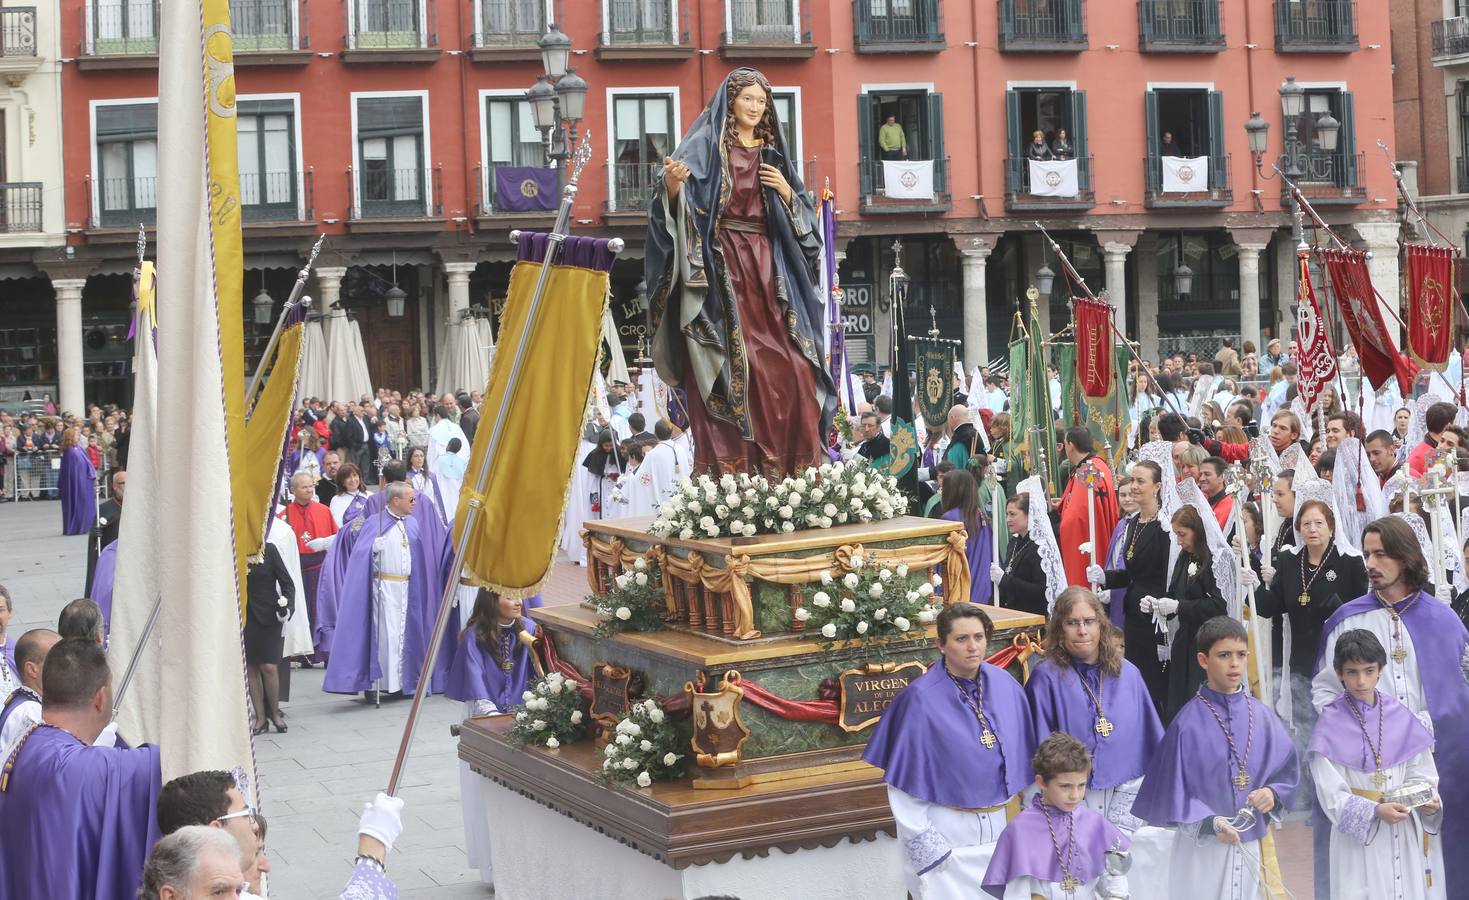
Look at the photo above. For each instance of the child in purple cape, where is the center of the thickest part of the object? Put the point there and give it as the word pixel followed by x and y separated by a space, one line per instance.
pixel 1058 847
pixel 1225 765
pixel 1366 745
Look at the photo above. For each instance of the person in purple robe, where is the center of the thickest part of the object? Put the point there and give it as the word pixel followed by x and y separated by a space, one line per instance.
pixel 388 603
pixel 1116 558
pixel 79 819
pixel 431 529
pixel 77 485
pixel 9 673
pixel 955 748
pixel 491 662
pixel 1365 746
pixel 1225 767
pixel 1085 688
pixel 102 581
pixel 959 498
pixel 1058 846
pixel 1427 647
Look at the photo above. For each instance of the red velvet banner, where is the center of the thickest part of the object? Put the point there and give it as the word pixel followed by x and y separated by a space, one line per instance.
pixel 1357 300
pixel 1430 305
pixel 1317 364
pixel 1093 346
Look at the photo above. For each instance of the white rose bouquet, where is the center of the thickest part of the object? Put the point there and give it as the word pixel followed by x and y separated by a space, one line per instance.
pixel 552 712
pixel 873 602
pixel 635 603
pixel 642 748
pixel 746 505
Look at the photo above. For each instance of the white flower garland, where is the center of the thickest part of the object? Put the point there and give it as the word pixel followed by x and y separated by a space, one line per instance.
pixel 746 505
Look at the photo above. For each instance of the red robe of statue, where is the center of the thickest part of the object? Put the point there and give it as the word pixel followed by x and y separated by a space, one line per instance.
pixel 1075 528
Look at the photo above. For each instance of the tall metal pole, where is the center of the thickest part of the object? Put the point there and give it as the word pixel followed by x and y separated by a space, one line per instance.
pixel 555 240
pixel 296 290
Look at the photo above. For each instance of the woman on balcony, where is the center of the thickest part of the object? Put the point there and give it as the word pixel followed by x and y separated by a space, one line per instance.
pixel 1039 150
pixel 734 307
pixel 1061 147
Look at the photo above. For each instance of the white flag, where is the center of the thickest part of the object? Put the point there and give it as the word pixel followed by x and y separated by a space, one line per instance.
pixel 1053 178
pixel 1185 175
pixel 908 180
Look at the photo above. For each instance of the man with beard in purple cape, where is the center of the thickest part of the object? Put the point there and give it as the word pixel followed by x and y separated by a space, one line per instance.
pixel 388 603
pixel 78 819
pixel 1058 846
pixel 1427 648
pixel 431 530
pixel 955 748
pixel 1224 753
pixel 1083 687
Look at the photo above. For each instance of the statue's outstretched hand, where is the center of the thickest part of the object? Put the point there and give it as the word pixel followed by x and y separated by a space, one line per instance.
pixel 675 173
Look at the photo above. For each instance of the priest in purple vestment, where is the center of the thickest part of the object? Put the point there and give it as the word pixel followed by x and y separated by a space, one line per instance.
pixel 388 602
pixel 76 485
pixel 1427 651
pixel 955 748
pixel 1085 688
pixel 1057 841
pixel 78 819
pixel 1224 771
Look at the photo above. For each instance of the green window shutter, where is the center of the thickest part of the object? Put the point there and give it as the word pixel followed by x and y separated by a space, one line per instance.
pixel 1155 128
pixel 867 140
pixel 1346 142
pixel 1015 165
pixel 934 140
pixel 1216 140
pixel 1078 126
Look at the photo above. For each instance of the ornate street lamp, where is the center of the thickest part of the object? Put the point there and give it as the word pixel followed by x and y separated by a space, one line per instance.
pixel 1045 279
pixel 558 98
pixel 263 307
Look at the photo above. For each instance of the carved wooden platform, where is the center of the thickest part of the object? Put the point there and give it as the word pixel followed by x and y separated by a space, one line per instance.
pixel 674 823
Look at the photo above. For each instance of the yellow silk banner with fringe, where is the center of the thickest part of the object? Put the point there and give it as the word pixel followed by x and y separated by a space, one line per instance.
pixel 515 536
pixel 265 440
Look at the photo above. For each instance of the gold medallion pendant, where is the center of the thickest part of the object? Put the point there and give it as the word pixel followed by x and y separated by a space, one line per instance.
pixel 1104 726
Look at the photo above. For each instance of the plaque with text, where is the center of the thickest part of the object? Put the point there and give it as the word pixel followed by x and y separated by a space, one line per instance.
pixel 609 693
pixel 866 692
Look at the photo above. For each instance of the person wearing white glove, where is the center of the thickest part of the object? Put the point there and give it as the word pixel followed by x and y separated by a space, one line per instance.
pixel 377 831
pixel 997 573
pixel 1267 575
pixel 1250 579
pixel 1023 585
pixel 1193 598
pixel 1096 574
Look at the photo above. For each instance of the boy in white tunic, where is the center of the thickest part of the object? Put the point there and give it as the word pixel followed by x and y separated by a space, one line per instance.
pixel 1367 745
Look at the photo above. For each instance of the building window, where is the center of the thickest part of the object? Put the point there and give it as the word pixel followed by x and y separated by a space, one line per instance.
pixel 914 123
pixel 1172 25
pixel 760 21
pixel 790 129
pixel 642 135
pixel 639 21
pixel 386 24
pixel 127 160
pixel 1189 124
pixel 881 22
pixel 390 147
pixel 1319 24
pixel 507 23
pixel 267 142
pixel 511 139
pixel 1461 165
pixel 1058 116
pixel 262 25
pixel 124 26
pixel 1321 167
pixel 1032 25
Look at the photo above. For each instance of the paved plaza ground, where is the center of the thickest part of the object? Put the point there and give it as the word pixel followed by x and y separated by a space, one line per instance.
pixel 339 751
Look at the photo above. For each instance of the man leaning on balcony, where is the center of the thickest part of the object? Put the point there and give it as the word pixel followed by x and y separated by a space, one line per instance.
pixel 891 140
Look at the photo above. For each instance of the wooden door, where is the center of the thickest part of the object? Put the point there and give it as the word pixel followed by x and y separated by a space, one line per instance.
pixel 391 344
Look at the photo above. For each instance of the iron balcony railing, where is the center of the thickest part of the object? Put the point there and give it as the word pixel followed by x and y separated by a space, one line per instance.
pixel 125 201
pixel 390 25
pixel 271 197
pixel 1211 186
pixel 122 27
pixel 1165 24
pixel 394 193
pixel 20 206
pixel 484 179
pixel 1017 181
pixel 897 22
pixel 18 31
pixel 262 25
pixel 1450 36
pixel 1043 25
pixel 510 23
pixel 765 23
pixel 631 185
pixel 1315 24
pixel 872 176
pixel 1331 176
pixel 642 23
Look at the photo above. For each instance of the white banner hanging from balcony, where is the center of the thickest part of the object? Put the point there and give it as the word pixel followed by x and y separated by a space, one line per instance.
pixel 1185 175
pixel 908 180
pixel 1054 178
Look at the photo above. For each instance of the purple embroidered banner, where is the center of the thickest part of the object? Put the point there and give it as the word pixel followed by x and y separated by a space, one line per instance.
pixel 526 189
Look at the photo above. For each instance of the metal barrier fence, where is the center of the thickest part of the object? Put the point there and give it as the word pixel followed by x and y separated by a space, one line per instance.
pixel 37 476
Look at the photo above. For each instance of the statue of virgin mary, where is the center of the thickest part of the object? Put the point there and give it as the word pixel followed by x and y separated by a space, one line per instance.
pixel 733 303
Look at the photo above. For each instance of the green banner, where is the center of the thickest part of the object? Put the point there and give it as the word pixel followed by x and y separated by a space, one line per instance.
pixel 904 450
pixel 1110 417
pixel 935 394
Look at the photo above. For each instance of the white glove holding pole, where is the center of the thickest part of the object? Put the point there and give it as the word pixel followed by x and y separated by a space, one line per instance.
pixel 1165 606
pixel 1250 579
pixel 999 467
pixel 382 819
pixel 1145 605
pixel 1096 575
pixel 1267 574
pixel 996 573
pixel 316 545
